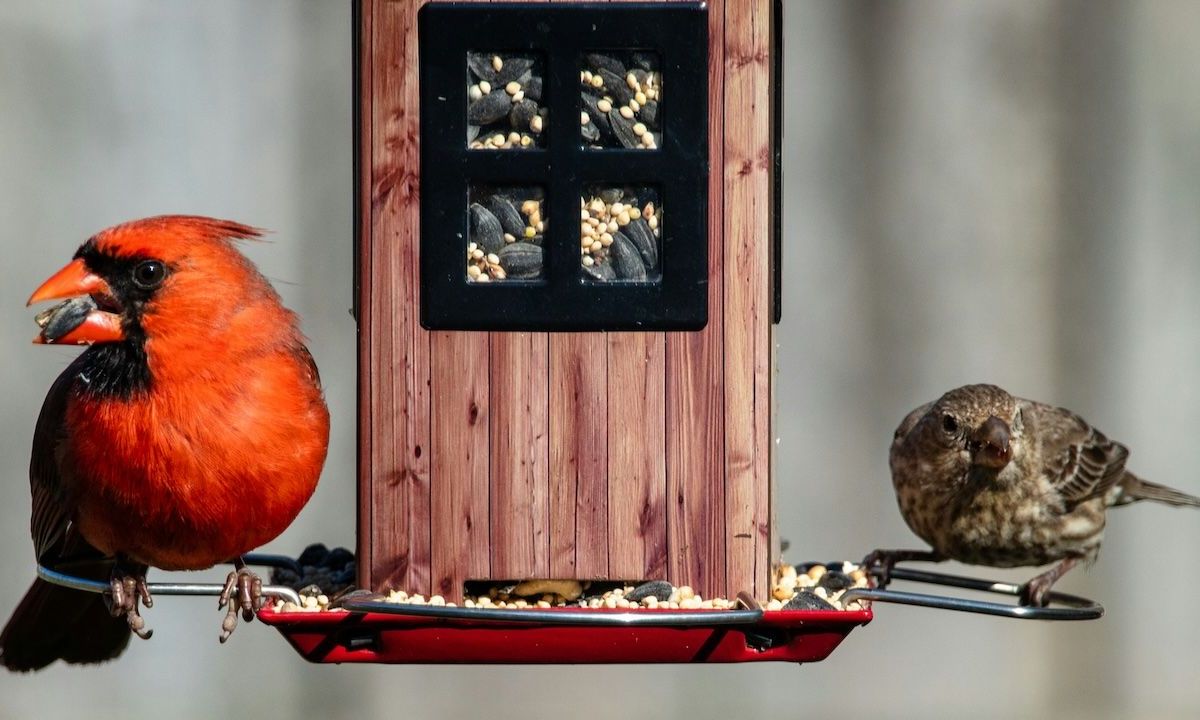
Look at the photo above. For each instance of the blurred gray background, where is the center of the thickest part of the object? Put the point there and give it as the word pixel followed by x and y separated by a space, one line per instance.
pixel 982 191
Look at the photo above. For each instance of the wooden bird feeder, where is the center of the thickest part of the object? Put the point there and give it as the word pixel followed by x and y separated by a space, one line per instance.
pixel 541 398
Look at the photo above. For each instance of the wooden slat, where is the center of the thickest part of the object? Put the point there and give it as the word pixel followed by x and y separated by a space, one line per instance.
pixel 747 169
pixel 459 486
pixel 578 455
pixel 363 224
pixel 519 455
pixel 695 402
pixel 399 393
pixel 637 519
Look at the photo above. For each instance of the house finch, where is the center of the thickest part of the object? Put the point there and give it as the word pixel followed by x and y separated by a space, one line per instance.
pixel 991 479
pixel 192 430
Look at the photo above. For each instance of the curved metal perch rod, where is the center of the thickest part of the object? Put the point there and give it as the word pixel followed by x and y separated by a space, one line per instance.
pixel 193 589
pixel 1077 608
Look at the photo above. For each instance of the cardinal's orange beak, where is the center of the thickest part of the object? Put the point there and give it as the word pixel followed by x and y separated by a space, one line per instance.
pixel 96 326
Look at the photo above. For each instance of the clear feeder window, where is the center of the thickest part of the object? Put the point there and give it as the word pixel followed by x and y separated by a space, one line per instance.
pixel 620 234
pixel 506 241
pixel 621 93
pixel 505 108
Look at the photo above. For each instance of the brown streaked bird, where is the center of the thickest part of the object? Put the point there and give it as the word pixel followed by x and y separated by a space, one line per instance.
pixel 190 431
pixel 987 478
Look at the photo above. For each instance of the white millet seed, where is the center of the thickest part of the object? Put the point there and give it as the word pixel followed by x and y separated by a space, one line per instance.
pixel 626 112
pixel 604 105
pixel 518 96
pixel 485 87
pixel 474 93
pixel 584 118
pixel 497 63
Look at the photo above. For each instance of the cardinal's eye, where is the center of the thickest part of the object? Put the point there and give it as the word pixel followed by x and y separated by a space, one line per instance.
pixel 949 424
pixel 149 274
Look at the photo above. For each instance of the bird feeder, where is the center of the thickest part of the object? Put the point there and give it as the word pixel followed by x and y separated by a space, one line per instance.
pixel 567 282
pixel 567 251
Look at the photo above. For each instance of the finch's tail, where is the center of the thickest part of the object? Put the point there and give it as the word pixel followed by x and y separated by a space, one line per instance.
pixel 1133 488
pixel 55 623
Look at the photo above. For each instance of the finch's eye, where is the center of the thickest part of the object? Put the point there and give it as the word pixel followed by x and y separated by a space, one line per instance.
pixel 149 274
pixel 949 424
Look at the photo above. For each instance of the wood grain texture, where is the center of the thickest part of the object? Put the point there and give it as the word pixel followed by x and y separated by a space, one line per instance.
pixel 460 483
pixel 747 175
pixel 579 431
pixel 637 520
pixel 399 353
pixel 695 400
pixel 520 486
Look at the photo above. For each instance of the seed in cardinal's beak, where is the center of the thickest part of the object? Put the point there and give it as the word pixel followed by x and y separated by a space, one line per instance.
pixel 64 317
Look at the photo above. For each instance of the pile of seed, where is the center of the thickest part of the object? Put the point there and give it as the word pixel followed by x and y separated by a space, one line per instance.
pixel 506 235
pixel 619 236
pixel 807 587
pixel 503 92
pixel 330 571
pixel 620 101
pixel 815 587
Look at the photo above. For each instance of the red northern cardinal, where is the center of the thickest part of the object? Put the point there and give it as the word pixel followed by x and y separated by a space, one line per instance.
pixel 191 430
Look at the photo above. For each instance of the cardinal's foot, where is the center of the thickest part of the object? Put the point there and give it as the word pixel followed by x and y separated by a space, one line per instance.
pixel 249 599
pixel 126 590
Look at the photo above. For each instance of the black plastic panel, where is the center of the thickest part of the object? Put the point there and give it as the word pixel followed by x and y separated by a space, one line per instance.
pixel 677 33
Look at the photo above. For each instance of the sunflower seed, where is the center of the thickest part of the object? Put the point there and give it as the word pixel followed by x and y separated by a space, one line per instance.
pixel 485 229
pixel 615 86
pixel 489 108
pixel 643 239
pixel 599 61
pixel 626 260
pixel 506 213
pixel 600 272
pixel 522 113
pixel 521 260
pixel 64 317
pixel 623 130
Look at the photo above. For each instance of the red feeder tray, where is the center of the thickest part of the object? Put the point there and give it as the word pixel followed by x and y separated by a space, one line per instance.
pixel 434 635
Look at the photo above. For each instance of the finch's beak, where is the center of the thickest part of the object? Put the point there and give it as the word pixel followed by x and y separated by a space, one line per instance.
pixel 990 444
pixel 70 326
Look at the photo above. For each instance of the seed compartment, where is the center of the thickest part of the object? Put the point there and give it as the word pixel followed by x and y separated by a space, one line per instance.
pixel 506 108
pixel 620 231
pixel 506 236
pixel 621 93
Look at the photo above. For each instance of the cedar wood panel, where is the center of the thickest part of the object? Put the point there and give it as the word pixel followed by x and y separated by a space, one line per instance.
pixel 590 455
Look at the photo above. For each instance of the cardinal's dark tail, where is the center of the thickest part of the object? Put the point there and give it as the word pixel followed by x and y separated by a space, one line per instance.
pixel 55 623
pixel 1133 488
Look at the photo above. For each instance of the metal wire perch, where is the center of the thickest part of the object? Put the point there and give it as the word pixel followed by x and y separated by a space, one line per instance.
pixel 172 588
pixel 1076 608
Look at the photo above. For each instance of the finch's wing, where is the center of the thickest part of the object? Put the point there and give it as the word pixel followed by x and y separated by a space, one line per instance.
pixel 1079 461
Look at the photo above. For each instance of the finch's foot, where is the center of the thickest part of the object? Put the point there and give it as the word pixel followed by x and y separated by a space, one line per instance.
pixel 248 588
pixel 1036 592
pixel 126 589
pixel 880 563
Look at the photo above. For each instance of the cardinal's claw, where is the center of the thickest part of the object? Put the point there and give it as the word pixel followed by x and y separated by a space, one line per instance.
pixel 248 588
pixel 125 592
